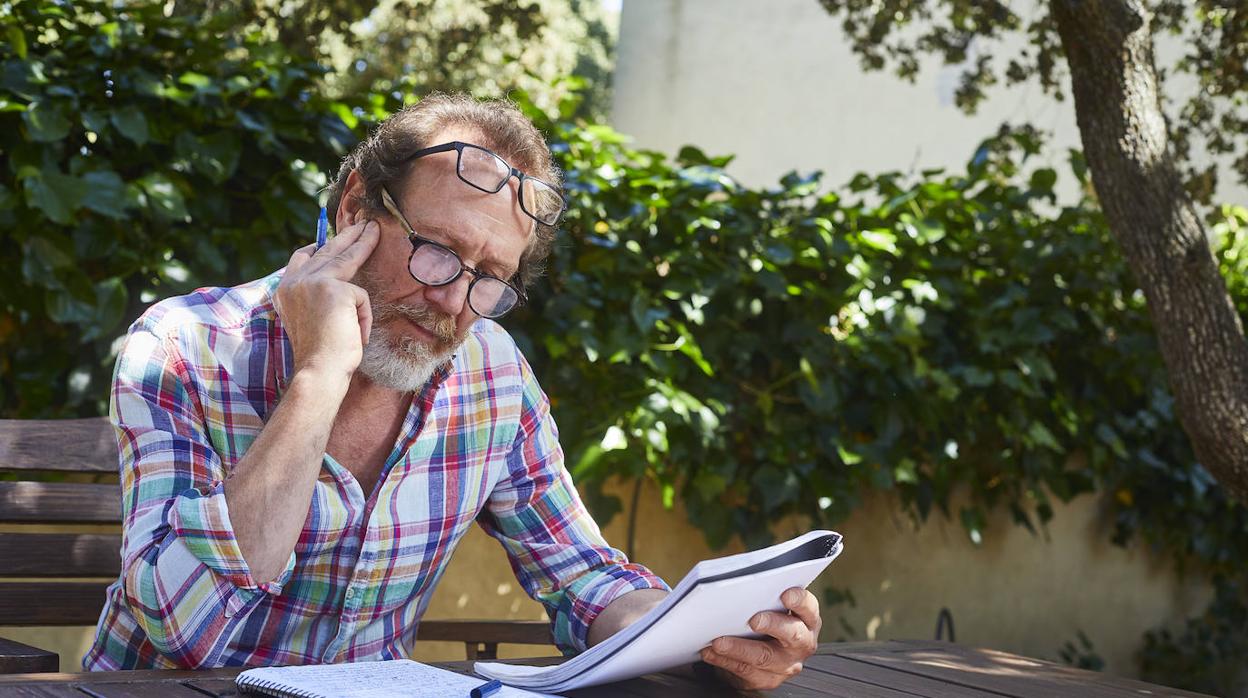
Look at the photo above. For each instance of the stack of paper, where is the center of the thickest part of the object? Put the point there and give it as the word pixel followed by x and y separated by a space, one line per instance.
pixel 718 597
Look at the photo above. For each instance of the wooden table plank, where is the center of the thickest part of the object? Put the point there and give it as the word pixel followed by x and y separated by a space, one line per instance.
pixel 859 670
pixel 861 679
pixel 38 690
pixel 139 689
pixel 1006 674
pixel 134 676
pixel 651 686
pixel 220 688
pixel 636 688
pixel 811 681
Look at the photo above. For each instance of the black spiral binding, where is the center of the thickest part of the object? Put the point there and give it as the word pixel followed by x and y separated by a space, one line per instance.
pixel 274 688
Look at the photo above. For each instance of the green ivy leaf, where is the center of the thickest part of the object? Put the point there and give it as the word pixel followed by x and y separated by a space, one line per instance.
pixel 163 197
pixel 110 307
pixel 45 258
pixel 105 193
pixel 17 39
pixel 1040 435
pixel 131 123
pixel 906 471
pixel 1042 180
pixel 215 156
pixel 46 121
pixel 57 195
pixel 881 239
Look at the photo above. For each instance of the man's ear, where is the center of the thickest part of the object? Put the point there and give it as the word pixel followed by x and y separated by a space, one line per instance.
pixel 349 204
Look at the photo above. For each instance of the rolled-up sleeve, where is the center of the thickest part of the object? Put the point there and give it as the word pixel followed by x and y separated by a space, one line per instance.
pixel 185 580
pixel 556 549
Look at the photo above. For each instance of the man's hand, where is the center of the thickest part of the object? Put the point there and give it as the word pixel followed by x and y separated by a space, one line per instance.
pixel 328 318
pixel 765 664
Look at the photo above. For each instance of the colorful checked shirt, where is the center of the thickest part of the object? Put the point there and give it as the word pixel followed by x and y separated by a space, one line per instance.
pixel 196 379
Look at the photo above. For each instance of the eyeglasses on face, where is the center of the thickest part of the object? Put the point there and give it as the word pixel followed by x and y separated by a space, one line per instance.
pixel 434 264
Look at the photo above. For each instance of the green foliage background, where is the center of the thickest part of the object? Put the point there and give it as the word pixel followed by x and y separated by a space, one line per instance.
pixel 759 353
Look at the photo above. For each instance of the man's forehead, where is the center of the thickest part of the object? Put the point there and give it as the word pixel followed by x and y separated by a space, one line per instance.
pixel 436 200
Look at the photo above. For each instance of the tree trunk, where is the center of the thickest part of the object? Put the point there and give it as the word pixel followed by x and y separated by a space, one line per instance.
pixel 1109 50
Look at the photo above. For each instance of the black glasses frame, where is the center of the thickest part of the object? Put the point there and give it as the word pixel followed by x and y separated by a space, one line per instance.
pixel 419 241
pixel 458 147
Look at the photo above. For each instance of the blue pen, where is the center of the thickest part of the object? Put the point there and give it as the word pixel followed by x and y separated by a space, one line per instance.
pixel 322 228
pixel 488 688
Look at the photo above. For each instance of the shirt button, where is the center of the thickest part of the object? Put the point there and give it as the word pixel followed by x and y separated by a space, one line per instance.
pixel 350 592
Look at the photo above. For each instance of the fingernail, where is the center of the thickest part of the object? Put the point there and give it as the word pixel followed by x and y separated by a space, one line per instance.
pixel 756 622
pixel 371 226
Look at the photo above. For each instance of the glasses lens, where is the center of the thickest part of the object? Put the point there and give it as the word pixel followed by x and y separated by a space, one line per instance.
pixel 491 297
pixel 434 264
pixel 483 169
pixel 540 200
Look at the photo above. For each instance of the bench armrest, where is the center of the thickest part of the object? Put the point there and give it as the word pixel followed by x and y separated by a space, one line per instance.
pixel 17 658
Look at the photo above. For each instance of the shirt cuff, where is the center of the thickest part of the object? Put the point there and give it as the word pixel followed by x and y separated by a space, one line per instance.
pixel 200 519
pixel 589 594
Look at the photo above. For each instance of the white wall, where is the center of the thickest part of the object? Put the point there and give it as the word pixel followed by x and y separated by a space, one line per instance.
pixel 775 82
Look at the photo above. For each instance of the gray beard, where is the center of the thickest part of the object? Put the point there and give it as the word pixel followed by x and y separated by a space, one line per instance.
pixel 404 363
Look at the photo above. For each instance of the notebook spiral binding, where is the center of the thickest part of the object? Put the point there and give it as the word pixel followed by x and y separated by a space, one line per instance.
pixel 275 688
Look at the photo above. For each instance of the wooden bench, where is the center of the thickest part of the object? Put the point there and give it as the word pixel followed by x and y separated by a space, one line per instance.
pixel 64 472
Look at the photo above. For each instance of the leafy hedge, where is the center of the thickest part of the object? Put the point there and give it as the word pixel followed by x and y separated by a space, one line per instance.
pixel 758 352
pixel 142 156
pixel 770 352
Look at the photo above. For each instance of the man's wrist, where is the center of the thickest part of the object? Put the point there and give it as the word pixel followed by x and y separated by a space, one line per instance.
pixel 320 384
pixel 622 612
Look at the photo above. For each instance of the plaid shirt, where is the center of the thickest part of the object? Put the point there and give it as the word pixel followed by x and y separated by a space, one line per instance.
pixel 196 379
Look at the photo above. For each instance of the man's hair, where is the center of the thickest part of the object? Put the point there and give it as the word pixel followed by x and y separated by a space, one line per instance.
pixel 382 159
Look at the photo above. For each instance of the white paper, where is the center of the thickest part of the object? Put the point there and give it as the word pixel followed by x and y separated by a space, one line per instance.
pixel 395 677
pixel 672 633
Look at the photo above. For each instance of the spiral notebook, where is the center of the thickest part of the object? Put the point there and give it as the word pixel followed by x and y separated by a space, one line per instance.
pixel 394 677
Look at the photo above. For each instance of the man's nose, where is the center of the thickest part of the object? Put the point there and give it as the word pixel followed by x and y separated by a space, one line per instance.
pixel 451 299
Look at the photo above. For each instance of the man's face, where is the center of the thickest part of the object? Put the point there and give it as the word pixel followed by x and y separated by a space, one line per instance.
pixel 416 327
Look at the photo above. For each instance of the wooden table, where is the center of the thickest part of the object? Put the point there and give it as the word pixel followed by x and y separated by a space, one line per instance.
pixel 859 670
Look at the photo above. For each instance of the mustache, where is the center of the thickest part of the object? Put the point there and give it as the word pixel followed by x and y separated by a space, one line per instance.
pixel 440 325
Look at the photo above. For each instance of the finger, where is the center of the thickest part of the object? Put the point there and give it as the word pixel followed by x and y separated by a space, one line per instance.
pixel 789 630
pixel 300 257
pixel 741 674
pixel 364 312
pixel 335 246
pixel 346 262
pixel 804 605
pixel 757 653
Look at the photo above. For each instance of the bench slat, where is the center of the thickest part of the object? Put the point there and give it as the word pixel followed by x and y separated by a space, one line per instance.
pixel 520 632
pixel 59 555
pixel 73 445
pixel 58 502
pixel 51 603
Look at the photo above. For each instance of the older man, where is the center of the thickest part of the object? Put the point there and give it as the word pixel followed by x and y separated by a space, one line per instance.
pixel 301 454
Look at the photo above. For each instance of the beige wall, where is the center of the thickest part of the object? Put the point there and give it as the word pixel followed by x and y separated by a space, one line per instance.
pixel 1017 592
pixel 775 83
